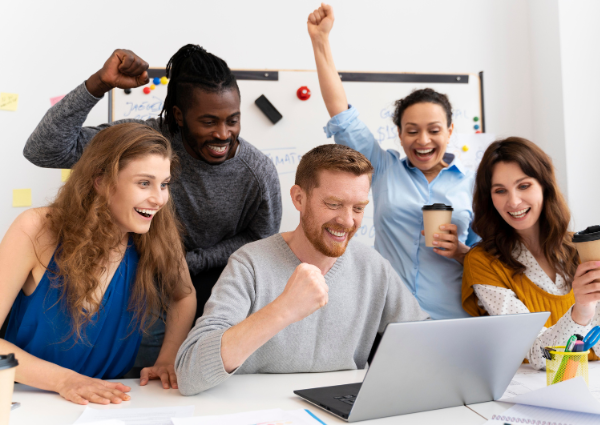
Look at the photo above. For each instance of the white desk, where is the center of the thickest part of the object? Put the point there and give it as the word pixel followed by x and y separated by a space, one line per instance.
pixel 238 394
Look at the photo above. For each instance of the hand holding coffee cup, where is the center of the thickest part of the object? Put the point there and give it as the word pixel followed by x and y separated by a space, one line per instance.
pixel 586 282
pixel 440 234
pixel 435 216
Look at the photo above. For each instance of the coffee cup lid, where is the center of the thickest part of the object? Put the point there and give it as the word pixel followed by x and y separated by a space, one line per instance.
pixel 437 207
pixel 8 361
pixel 590 234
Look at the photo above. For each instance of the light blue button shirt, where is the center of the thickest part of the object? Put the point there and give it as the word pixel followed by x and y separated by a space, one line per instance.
pixel 399 192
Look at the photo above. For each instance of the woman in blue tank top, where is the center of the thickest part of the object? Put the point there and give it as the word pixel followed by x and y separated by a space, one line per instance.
pixel 87 274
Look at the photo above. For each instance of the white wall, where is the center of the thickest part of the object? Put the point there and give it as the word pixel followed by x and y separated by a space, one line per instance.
pixel 50 47
pixel 580 57
pixel 547 85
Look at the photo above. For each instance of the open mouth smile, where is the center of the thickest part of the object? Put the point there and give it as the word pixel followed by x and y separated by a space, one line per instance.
pixel 519 215
pixel 424 154
pixel 148 214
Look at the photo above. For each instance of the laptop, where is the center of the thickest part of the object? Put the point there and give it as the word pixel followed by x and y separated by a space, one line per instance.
pixel 434 364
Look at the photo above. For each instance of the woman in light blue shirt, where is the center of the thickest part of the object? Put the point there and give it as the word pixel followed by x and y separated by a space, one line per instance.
pixel 401 186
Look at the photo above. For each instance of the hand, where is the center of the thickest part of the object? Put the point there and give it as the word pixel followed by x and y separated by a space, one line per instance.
pixel 304 293
pixel 164 372
pixel 453 248
pixel 586 288
pixel 82 389
pixel 123 69
pixel 320 21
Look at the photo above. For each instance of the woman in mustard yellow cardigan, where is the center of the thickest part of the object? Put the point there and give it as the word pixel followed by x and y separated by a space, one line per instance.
pixel 526 261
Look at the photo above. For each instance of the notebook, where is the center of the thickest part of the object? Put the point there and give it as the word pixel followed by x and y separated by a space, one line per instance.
pixel 521 413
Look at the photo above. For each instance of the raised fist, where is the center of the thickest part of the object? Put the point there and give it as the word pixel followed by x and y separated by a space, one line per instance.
pixel 305 292
pixel 320 21
pixel 123 69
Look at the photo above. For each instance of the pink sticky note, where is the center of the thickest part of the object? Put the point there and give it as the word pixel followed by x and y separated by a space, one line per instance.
pixel 56 99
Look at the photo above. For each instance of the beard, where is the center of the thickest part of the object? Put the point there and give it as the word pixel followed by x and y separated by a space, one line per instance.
pixel 314 234
pixel 190 141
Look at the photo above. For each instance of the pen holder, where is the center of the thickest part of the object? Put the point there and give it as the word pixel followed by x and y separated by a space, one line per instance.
pixel 564 366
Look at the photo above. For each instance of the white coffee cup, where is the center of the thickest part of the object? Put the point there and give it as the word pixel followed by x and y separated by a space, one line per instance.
pixel 8 366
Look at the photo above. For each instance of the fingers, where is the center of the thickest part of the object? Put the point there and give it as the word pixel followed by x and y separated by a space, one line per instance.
pixel 583 268
pixel 142 79
pixel 144 376
pixel 450 228
pixel 131 64
pixel 76 398
pixel 173 377
pixel 312 19
pixel 447 241
pixel 586 280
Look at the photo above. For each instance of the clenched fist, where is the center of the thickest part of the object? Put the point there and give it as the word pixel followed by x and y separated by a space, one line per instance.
pixel 320 21
pixel 123 69
pixel 305 292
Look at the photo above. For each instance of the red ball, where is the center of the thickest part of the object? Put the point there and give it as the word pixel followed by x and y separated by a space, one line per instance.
pixel 147 90
pixel 303 93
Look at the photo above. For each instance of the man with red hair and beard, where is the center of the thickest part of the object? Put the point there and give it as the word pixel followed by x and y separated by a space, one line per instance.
pixel 310 300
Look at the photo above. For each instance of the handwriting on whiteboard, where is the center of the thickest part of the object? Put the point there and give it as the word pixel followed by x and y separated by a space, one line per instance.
pixel 285 159
pixel 143 110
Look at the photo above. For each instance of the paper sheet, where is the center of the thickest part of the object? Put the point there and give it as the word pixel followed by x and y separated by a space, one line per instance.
pixel 125 416
pixel 528 379
pixel 567 395
pixel 539 415
pixel 21 198
pixel 9 101
pixel 64 175
pixel 259 417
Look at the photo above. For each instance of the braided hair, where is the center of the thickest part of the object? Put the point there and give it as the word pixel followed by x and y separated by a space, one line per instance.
pixel 193 67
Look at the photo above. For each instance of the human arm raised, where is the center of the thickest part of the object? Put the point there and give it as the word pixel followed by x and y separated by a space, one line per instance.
pixel 320 23
pixel 59 139
pixel 20 249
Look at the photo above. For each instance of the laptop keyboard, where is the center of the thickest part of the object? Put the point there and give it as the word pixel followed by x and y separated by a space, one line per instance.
pixel 348 399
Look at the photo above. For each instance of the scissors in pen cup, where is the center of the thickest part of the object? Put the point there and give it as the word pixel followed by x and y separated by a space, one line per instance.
pixel 591 338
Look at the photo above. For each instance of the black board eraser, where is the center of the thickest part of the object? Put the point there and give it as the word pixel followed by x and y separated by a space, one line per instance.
pixel 268 109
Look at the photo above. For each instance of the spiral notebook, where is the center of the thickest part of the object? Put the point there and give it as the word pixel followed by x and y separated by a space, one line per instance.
pixel 524 414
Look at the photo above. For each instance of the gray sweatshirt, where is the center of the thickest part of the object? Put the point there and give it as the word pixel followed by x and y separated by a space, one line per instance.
pixel 222 207
pixel 365 294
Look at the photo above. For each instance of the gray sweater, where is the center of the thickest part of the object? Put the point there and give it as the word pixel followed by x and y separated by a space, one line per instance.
pixel 365 294
pixel 221 207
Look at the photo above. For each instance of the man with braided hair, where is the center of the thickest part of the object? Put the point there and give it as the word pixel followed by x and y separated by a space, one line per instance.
pixel 228 192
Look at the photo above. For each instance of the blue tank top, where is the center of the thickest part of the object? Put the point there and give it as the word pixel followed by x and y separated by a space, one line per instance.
pixel 39 324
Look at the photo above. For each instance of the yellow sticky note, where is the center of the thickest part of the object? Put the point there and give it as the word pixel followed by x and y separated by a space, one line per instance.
pixel 9 101
pixel 64 175
pixel 21 197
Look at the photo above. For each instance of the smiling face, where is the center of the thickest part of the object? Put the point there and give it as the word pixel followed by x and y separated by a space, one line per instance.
pixel 333 211
pixel 210 125
pixel 141 191
pixel 425 134
pixel 518 198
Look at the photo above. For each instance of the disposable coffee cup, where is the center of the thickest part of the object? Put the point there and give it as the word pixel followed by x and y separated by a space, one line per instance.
pixel 433 217
pixel 8 366
pixel 588 244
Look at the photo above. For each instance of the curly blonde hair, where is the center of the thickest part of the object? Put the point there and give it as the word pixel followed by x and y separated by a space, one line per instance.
pixel 80 220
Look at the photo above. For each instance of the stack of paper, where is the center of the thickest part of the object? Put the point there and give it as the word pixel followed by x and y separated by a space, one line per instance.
pixel 126 416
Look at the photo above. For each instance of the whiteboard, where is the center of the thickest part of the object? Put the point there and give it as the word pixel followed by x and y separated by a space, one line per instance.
pixel 301 127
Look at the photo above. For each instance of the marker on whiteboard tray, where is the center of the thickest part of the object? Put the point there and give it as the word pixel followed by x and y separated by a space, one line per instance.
pixel 268 109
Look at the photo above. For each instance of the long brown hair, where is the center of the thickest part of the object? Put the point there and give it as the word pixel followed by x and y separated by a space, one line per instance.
pixel 499 238
pixel 80 220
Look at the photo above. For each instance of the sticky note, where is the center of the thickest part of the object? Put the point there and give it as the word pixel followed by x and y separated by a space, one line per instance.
pixel 9 101
pixel 64 175
pixel 21 197
pixel 54 100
